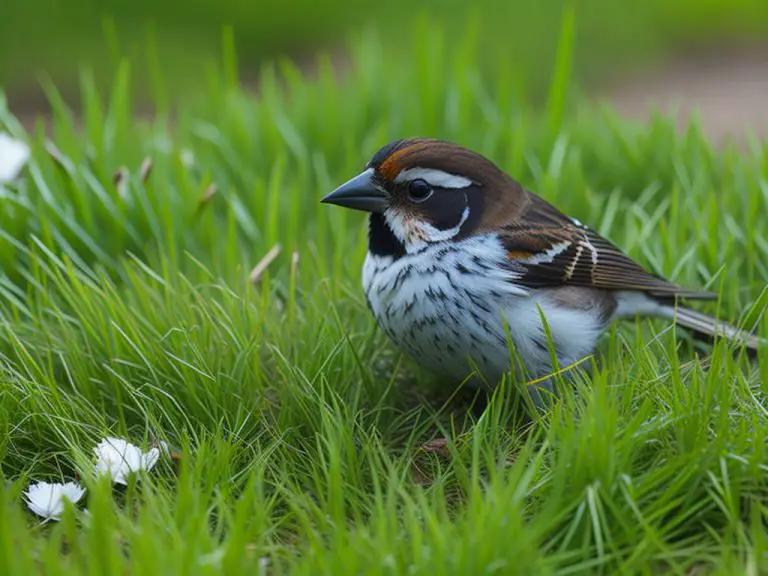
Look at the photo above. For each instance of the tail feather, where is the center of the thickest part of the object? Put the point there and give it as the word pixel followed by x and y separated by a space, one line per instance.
pixel 707 327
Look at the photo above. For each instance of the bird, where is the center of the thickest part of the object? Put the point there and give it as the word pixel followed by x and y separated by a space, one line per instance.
pixel 463 261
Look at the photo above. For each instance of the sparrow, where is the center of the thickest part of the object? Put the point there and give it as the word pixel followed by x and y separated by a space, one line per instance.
pixel 463 260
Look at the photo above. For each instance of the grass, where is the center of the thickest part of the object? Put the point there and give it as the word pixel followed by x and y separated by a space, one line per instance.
pixel 174 36
pixel 307 443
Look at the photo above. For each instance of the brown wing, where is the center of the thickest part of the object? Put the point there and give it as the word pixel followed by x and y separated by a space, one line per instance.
pixel 551 249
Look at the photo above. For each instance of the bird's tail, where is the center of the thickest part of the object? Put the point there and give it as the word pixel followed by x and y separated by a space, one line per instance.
pixel 707 327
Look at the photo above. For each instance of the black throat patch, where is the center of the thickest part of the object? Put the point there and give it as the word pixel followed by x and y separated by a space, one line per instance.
pixel 381 240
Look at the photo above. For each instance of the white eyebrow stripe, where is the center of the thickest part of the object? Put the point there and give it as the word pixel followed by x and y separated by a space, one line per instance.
pixel 436 178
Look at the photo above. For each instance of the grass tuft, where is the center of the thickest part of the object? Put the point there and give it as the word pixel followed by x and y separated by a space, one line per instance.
pixel 128 306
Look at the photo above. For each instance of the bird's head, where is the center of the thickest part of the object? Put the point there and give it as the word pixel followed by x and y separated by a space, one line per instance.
pixel 422 191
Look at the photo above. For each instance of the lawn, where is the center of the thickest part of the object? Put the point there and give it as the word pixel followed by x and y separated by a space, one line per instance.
pixel 46 38
pixel 301 441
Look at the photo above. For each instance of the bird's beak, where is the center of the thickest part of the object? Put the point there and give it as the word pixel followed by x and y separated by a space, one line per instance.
pixel 360 193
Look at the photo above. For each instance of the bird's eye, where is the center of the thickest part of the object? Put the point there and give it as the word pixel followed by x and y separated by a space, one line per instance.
pixel 419 190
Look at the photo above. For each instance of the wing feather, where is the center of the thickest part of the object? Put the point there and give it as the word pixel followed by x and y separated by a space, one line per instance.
pixel 553 250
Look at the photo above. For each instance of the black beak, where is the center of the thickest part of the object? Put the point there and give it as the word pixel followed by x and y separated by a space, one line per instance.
pixel 360 193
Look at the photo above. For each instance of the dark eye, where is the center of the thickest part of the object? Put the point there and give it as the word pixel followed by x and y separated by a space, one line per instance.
pixel 419 190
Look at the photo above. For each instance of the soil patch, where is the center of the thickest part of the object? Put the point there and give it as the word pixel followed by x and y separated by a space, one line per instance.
pixel 726 87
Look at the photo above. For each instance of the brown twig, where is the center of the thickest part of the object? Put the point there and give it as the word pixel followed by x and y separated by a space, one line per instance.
pixel 259 269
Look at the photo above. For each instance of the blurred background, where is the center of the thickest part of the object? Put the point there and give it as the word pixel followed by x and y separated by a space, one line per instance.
pixel 707 53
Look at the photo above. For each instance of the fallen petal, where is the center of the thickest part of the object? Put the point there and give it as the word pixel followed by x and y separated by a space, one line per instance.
pixel 149 459
pixel 47 499
pixel 119 458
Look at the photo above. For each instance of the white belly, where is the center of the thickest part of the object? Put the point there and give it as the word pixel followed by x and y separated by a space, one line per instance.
pixel 448 304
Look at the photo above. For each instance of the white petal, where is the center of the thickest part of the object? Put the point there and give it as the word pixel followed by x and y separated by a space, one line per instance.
pixel 119 458
pixel 47 499
pixel 120 477
pixel 150 458
pixel 14 154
